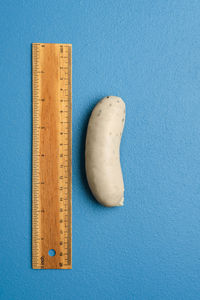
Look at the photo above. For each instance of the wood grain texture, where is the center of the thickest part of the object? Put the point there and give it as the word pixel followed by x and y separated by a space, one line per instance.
pixel 52 146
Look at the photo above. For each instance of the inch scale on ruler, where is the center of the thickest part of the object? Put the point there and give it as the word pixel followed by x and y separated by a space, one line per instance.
pixel 51 156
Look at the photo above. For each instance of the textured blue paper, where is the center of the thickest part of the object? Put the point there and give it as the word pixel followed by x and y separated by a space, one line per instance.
pixel 147 52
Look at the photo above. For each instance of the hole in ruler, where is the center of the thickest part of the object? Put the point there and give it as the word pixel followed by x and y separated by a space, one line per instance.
pixel 52 252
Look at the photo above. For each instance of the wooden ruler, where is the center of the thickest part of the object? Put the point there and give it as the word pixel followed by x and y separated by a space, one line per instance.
pixel 51 156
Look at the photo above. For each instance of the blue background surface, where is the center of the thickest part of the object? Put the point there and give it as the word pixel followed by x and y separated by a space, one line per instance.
pixel 147 52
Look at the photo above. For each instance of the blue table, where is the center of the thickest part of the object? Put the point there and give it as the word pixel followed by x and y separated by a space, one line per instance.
pixel 148 53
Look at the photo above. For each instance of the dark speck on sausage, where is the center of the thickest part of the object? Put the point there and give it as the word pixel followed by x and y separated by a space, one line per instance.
pixel 99 112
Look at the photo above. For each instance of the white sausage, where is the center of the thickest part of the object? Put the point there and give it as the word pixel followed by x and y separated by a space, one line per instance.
pixel 102 152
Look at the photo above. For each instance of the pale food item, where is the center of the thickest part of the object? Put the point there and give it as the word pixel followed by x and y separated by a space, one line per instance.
pixel 102 152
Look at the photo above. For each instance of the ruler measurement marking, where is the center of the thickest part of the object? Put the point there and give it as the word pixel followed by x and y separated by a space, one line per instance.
pixel 40 260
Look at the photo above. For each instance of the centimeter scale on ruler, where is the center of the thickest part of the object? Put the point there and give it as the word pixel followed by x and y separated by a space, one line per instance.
pixel 51 156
